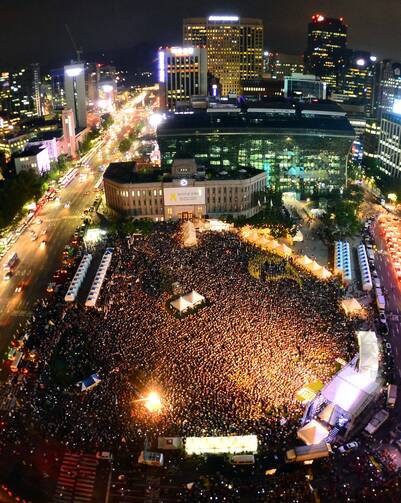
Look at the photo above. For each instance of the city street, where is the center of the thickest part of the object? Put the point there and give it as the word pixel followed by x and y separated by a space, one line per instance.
pixel 37 261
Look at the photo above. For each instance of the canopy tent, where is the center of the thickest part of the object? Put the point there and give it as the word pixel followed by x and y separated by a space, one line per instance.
pixel 329 414
pixel 315 267
pixel 308 392
pixel 180 304
pixel 284 249
pixel 350 390
pixel 368 353
pixel 90 382
pixel 304 260
pixel 273 244
pixel 351 306
pixel 194 298
pixel 298 236
pixel 313 433
pixel 324 273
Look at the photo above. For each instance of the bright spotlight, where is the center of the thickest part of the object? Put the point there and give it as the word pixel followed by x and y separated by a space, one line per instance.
pixel 360 62
pixel 153 403
pixel 74 71
pixel 107 88
pixel 155 120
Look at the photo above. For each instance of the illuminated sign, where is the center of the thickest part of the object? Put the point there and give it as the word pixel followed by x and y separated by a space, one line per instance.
pixel 373 58
pixel 223 18
pixel 183 182
pixel 182 51
pixel 397 106
pixel 161 67
pixel 220 445
pixel 74 71
pixel 182 196
pixel 361 62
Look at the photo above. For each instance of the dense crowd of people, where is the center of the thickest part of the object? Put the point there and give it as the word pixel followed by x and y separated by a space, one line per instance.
pixel 234 366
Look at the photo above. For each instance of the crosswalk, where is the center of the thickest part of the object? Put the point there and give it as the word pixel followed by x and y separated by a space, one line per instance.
pixel 76 480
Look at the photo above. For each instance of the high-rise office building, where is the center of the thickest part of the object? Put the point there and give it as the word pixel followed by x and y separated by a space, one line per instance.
pixel 36 94
pixel 75 92
pixel 57 88
pixel 387 86
pixel 5 92
pixel 21 93
pixel 69 139
pixel 234 48
pixel 326 51
pixel 182 74
pixel 304 87
pixel 284 65
pixel 357 81
pixel 389 153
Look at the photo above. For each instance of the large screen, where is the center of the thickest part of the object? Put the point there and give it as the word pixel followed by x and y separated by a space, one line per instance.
pixel 220 445
pixel 182 196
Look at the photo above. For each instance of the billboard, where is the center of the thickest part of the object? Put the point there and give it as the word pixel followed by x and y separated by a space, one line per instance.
pixel 183 196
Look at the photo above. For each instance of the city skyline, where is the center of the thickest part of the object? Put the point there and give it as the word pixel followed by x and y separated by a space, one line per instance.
pixel 111 27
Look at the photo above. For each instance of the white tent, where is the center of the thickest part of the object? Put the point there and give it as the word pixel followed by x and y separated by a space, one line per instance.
pixel 194 298
pixel 304 260
pixel 180 304
pixel 351 306
pixel 284 249
pixel 313 433
pixel 368 353
pixel 350 390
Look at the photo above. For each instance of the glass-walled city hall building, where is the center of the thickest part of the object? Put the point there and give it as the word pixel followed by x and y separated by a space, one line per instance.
pixel 302 148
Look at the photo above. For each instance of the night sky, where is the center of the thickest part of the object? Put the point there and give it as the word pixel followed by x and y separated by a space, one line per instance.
pixel 33 30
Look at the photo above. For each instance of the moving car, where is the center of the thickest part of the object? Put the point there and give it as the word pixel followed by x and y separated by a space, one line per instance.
pixel 19 287
pixel 43 243
pixel 7 275
pixel 51 287
pixel 348 447
pixel 34 237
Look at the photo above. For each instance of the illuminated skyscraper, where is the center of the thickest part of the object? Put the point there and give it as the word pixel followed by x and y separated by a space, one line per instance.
pixel 234 48
pixel 284 65
pixel 390 141
pixel 75 92
pixel 182 74
pixel 387 86
pixel 36 82
pixel 326 53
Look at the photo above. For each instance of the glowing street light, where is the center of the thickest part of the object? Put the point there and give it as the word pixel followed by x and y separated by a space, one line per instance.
pixel 155 120
pixel 153 402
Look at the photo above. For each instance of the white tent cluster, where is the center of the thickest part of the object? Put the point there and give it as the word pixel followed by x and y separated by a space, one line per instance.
pixel 367 284
pixel 188 301
pixel 342 260
pixel 78 278
pixel 262 239
pixel 99 278
pixel 345 396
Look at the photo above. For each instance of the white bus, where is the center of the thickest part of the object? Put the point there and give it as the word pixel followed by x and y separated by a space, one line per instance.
pixel 391 395
pixel 376 421
pixel 69 177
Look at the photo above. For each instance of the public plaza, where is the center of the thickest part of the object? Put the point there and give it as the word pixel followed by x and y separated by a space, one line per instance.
pixel 233 366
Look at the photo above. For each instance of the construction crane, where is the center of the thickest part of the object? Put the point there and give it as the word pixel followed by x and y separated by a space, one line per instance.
pixel 77 51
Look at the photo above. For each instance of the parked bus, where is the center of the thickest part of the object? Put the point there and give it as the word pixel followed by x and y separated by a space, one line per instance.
pixel 308 452
pixel 11 263
pixel 69 177
pixel 391 395
pixel 376 421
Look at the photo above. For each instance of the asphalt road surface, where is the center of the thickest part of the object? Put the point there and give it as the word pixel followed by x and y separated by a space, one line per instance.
pixel 38 262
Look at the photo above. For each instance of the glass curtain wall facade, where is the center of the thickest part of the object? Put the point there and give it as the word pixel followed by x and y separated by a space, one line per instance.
pixel 300 163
